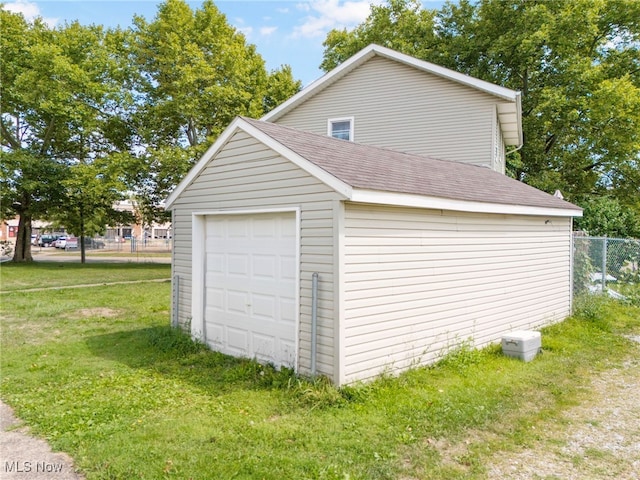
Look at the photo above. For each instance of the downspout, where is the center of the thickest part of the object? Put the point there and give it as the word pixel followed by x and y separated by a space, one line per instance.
pixel 176 301
pixel 604 264
pixel 314 321
pixel 512 151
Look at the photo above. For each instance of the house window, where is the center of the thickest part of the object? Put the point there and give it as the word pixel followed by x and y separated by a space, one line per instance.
pixel 159 233
pixel 341 128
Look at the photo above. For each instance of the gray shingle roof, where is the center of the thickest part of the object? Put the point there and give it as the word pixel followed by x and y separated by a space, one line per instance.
pixel 380 169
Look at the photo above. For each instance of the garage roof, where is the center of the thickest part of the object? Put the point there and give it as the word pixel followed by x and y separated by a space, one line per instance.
pixel 377 175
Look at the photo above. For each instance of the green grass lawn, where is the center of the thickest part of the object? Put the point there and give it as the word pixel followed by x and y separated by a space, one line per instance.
pixel 49 274
pixel 98 373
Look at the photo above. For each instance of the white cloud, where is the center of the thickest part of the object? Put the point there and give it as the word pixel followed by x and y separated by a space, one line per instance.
pixel 247 31
pixel 266 31
pixel 328 14
pixel 29 10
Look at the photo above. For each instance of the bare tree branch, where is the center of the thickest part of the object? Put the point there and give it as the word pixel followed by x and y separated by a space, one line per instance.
pixel 8 138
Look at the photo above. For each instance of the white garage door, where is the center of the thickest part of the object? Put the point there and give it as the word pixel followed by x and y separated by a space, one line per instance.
pixel 250 286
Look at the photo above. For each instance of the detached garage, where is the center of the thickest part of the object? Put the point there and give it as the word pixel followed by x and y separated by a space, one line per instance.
pixel 413 255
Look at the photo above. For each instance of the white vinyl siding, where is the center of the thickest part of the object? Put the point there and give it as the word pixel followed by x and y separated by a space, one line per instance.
pixel 405 109
pixel 246 175
pixel 418 282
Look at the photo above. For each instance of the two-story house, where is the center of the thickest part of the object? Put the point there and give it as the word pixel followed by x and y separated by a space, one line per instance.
pixel 366 225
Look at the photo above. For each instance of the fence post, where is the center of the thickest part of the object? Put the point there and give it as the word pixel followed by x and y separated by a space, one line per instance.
pixel 604 264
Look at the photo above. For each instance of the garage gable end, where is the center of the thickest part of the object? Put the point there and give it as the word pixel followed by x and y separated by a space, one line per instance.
pixel 242 125
pixel 233 224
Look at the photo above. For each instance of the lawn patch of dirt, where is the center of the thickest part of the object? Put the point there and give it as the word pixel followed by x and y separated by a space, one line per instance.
pixel 102 312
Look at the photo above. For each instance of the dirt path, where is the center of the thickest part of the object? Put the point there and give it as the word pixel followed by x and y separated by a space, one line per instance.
pixel 25 457
pixel 598 439
pixel 103 284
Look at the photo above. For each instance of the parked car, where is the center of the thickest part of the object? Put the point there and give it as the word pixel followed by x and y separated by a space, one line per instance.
pixel 71 243
pixel 47 240
pixel 61 242
pixel 93 243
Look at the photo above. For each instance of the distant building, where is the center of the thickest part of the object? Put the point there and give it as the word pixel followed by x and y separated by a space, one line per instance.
pixel 155 231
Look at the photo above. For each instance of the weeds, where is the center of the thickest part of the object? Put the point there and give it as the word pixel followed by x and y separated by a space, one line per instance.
pixel 175 341
pixel 461 357
pixel 590 307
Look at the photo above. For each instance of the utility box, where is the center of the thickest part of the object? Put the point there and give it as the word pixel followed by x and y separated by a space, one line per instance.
pixel 522 344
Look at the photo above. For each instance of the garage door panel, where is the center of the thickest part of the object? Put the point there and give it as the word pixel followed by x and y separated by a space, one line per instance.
pixel 215 263
pixel 216 299
pixel 288 267
pixel 251 282
pixel 215 335
pixel 237 301
pixel 237 340
pixel 264 346
pixel 288 349
pixel 288 310
pixel 236 228
pixel 238 264
pixel 264 228
pixel 263 306
pixel 264 266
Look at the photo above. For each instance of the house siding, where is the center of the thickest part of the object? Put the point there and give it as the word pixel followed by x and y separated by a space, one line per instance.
pixel 247 175
pixel 423 114
pixel 499 150
pixel 418 282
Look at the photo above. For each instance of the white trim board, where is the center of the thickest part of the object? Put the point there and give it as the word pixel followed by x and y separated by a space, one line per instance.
pixel 437 203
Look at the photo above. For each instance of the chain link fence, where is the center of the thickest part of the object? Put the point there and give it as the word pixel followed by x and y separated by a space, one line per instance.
pixel 134 244
pixel 606 265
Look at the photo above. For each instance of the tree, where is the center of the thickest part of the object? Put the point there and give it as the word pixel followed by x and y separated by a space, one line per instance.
pixel 91 190
pixel 401 25
pixel 30 178
pixel 281 86
pixel 62 107
pixel 607 216
pixel 31 187
pixel 576 63
pixel 197 74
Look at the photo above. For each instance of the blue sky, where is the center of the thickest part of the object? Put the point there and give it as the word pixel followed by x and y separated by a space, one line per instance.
pixel 284 32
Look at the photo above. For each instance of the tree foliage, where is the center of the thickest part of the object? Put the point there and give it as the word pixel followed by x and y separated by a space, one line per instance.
pixel 61 108
pixel 90 115
pixel 576 63
pixel 197 74
pixel 607 216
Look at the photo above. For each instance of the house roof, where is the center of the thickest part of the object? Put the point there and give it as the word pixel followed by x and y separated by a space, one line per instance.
pixel 370 174
pixel 509 106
